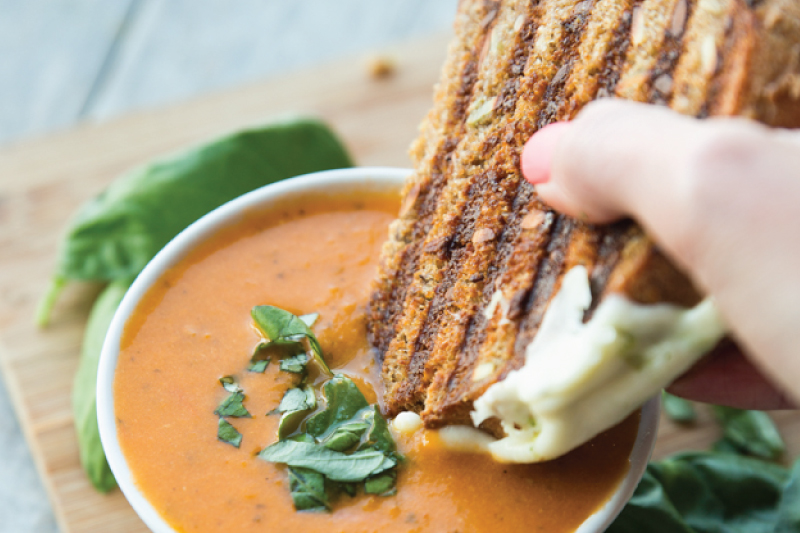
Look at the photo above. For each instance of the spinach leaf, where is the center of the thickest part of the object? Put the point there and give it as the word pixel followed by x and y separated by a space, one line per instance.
pixel 705 492
pixel 383 484
pixel 296 364
pixel 753 432
pixel 789 506
pixel 343 401
pixel 724 445
pixel 282 327
pixel 308 490
pixel 232 406
pixel 114 235
pixel 227 433
pixel 84 401
pixel 333 465
pixel 678 409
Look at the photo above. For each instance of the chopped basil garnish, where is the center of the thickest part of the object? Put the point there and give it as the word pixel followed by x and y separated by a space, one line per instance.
pixel 258 365
pixel 308 490
pixel 310 319
pixel 331 451
pixel 295 405
pixel 227 433
pixel 343 402
pixel 346 436
pixel 232 406
pixel 347 442
pixel 337 466
pixel 229 384
pixel 282 327
pixel 295 364
pixel 383 484
pixel 298 399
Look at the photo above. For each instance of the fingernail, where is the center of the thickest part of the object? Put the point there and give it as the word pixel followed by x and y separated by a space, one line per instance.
pixel 537 155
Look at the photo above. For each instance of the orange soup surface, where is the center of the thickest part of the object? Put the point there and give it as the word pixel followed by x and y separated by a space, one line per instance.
pixel 194 326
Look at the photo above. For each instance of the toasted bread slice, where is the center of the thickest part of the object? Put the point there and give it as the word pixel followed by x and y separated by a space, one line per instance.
pixel 475 258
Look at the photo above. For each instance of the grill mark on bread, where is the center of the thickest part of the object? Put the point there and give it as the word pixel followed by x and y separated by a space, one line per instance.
pixel 455 391
pixel 569 29
pixel 520 290
pixel 458 199
pixel 732 67
pixel 492 337
pixel 661 80
pixel 609 76
pixel 649 26
pixel 545 285
pixel 611 241
pixel 572 32
pixel 705 35
pixel 394 328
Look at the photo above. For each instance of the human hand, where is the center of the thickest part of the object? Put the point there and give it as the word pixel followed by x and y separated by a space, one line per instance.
pixel 722 198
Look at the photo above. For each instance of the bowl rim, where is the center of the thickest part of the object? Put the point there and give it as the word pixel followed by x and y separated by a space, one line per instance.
pixel 379 179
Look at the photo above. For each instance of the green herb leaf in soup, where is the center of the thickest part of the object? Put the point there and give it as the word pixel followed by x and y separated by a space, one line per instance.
pixel 379 437
pixel 308 490
pixel 678 409
pixel 753 432
pixel 282 327
pixel 382 484
pixel 84 401
pixel 298 399
pixel 334 465
pixel 232 406
pixel 295 406
pixel 258 365
pixel 229 434
pixel 229 384
pixel 343 401
pixel 310 319
pixel 346 435
pixel 295 364
pixel 114 235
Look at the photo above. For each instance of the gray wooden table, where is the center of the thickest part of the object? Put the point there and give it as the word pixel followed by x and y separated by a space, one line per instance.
pixel 67 61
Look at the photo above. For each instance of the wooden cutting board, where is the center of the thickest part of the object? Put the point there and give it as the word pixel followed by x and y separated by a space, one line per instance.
pixel 42 183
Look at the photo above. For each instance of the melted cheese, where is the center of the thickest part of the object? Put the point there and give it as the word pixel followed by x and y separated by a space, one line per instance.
pixel 582 378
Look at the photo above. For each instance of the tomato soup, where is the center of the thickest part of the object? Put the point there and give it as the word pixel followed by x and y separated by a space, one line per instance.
pixel 194 326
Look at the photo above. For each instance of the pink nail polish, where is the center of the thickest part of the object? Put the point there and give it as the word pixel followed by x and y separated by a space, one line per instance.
pixel 538 153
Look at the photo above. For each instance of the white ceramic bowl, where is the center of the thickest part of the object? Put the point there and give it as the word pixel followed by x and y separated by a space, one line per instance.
pixel 335 182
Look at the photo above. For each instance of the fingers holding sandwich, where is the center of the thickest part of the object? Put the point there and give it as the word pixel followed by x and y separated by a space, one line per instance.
pixel 719 196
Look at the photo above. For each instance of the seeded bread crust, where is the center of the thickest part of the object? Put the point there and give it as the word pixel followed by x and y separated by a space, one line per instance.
pixel 475 257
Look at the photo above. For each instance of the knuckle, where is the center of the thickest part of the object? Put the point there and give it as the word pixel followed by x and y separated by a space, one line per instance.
pixel 710 171
pixel 716 161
